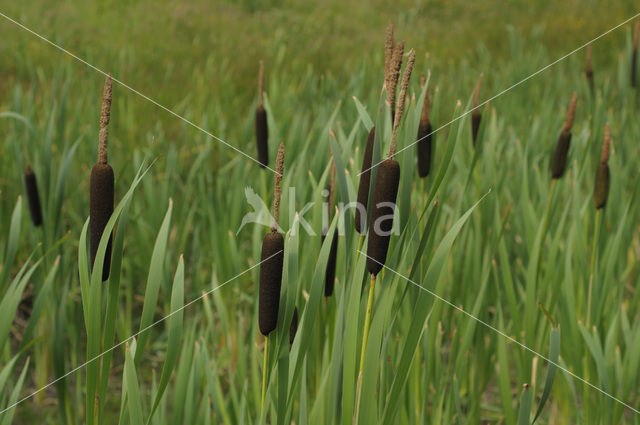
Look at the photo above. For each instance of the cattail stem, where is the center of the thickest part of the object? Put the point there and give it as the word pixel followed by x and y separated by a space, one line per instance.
pixel 594 244
pixel 365 337
pixel 264 377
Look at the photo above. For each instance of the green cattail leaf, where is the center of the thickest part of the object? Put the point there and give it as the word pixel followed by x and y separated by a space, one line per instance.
pixel 554 353
pixel 175 334
pixel 308 316
pixel 12 243
pixel 11 299
pixel 420 313
pixel 364 116
pixel 7 417
pixel 154 281
pixel 41 299
pixel 526 402
pixel 133 389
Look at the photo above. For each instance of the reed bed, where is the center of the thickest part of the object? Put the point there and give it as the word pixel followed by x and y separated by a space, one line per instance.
pixel 551 264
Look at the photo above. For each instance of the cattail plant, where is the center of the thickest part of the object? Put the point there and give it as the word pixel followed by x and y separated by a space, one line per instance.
pixel 330 272
pixel 294 326
pixel 102 186
pixel 476 115
pixel 600 192
pixel 386 188
pixel 385 192
pixel 262 130
pixel 271 261
pixel 425 136
pixel 363 188
pixel 634 54
pixel 31 185
pixel 588 71
pixel 601 187
pixel 559 162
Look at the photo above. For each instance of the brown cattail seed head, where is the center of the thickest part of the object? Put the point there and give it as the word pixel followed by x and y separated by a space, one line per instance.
pixel 383 205
pixel 330 272
pixel 401 100
pixel 476 115
pixel 101 198
pixel 272 258
pixel 294 326
pixel 262 129
pixel 277 190
pixel 601 187
pixel 365 182
pixel 424 148
pixel 571 114
pixel 31 185
pixel 425 136
pixel 559 162
pixel 101 195
pixel 588 71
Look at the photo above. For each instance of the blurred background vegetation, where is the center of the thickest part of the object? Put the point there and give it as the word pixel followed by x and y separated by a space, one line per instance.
pixel 170 49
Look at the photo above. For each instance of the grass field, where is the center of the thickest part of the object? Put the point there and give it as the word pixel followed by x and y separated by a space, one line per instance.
pixel 492 260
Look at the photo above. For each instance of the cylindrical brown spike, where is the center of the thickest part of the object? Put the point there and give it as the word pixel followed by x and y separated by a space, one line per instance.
pixel 559 162
pixel 31 184
pixel 294 326
pixel 425 146
pixel 382 208
pixel 262 136
pixel 601 189
pixel 330 273
pixel 272 259
pixel 363 188
pixel 101 200
pixel 588 70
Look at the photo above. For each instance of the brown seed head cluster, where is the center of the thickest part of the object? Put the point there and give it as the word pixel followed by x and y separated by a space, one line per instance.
pixel 601 186
pixel 102 192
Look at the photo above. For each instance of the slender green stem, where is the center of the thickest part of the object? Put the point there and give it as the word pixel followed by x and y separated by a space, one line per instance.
pixel 545 225
pixel 365 337
pixel 596 231
pixel 264 377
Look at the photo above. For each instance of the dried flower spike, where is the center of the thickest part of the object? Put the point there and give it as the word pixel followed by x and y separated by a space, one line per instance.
pixel 476 115
pixel 601 187
pixel 31 185
pixel 262 129
pixel 365 182
pixel 425 135
pixel 559 161
pixel 588 70
pixel 271 261
pixel 101 196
